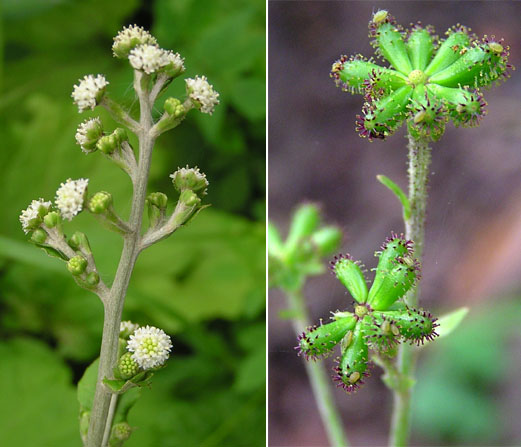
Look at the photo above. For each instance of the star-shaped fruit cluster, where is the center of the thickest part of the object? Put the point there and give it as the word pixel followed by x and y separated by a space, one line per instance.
pixel 379 321
pixel 429 81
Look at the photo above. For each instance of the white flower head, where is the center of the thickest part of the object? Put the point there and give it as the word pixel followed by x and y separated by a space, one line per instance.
pixel 89 91
pixel 130 37
pixel 150 347
pixel 190 178
pixel 148 58
pixel 127 327
pixel 34 211
pixel 175 63
pixel 70 197
pixel 88 134
pixel 202 93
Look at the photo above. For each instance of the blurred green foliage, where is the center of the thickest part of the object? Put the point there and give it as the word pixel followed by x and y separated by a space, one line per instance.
pixel 455 402
pixel 205 285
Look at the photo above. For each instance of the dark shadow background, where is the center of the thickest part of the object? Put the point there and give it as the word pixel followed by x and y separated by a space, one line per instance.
pixel 467 392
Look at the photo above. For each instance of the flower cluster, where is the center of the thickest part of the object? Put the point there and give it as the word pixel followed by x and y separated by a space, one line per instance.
pixel 428 82
pixel 88 134
pixel 202 94
pixel 70 197
pixel 88 93
pixel 190 178
pixel 130 37
pixel 31 217
pixel 378 322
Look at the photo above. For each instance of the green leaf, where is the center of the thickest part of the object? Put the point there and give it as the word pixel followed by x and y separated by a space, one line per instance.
pixel 87 386
pixel 451 321
pixel 38 404
pixel 398 192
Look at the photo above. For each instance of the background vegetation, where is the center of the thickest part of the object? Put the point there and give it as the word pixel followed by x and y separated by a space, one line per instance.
pixel 204 286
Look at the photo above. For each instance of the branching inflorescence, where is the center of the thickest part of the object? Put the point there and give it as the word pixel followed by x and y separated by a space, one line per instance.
pixel 429 81
pixel 379 322
pixel 129 354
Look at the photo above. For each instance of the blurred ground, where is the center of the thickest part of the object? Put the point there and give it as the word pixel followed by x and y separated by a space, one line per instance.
pixel 473 224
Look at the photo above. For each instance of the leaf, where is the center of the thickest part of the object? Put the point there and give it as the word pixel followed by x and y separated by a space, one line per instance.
pixel 38 404
pixel 451 321
pixel 398 192
pixel 87 386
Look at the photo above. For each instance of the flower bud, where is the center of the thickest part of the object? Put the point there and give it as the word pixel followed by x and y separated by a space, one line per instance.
pixel 79 241
pixel 51 219
pixel 31 218
pixel 174 107
pixel 130 37
pixel 304 222
pixel 350 275
pixel 326 239
pixel 92 279
pixel 158 199
pixel 100 202
pixel 107 144
pixel 127 328
pixel 127 366
pixel 175 64
pixel 189 198
pixel 39 236
pixel 190 179
pixel 120 432
pixel 77 265
pixel 88 134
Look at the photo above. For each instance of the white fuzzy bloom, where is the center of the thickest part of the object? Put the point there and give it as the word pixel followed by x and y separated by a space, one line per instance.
pixel 88 133
pixel 70 197
pixel 129 37
pixel 87 93
pixel 176 61
pixel 201 92
pixel 128 326
pixel 32 212
pixel 148 58
pixel 150 347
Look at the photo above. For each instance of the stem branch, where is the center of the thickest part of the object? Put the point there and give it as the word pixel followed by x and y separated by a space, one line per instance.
pixel 418 171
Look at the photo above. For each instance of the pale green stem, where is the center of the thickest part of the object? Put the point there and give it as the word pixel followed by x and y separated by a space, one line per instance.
pixel 110 418
pixel 320 382
pixel 114 306
pixel 419 163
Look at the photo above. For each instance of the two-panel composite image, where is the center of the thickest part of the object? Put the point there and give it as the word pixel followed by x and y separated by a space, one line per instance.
pixel 250 223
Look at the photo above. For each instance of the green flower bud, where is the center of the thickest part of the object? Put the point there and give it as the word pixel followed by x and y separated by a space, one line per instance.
pixel 77 265
pixel 189 198
pixel 120 433
pixel 100 202
pixel 305 221
pixel 92 279
pixel 318 341
pixel 190 179
pixel 350 275
pixel 158 199
pixel 127 366
pixel 120 134
pixel 109 143
pixel 52 219
pixel 174 107
pixel 79 241
pixel 39 236
pixel 130 37
pixel 326 239
pixel 353 363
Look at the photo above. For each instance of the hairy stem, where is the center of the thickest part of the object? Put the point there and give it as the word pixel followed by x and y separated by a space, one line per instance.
pixel 320 382
pixel 114 305
pixel 419 163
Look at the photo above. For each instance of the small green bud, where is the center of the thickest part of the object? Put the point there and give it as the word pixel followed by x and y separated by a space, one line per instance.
pixel 120 134
pixel 174 107
pixel 189 198
pixel 327 239
pixel 350 275
pixel 158 199
pixel 107 144
pixel 39 236
pixel 120 432
pixel 190 179
pixel 100 202
pixel 77 265
pixel 79 241
pixel 92 279
pixel 52 219
pixel 127 366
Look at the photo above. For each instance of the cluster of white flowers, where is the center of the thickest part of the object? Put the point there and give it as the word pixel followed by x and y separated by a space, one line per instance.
pixel 190 178
pixel 32 212
pixel 148 58
pixel 128 326
pixel 176 61
pixel 87 93
pixel 129 37
pixel 150 347
pixel 201 92
pixel 70 197
pixel 88 133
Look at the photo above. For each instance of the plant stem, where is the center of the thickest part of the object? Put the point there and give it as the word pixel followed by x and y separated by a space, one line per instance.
pixel 318 378
pixel 114 305
pixel 418 171
pixel 110 418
